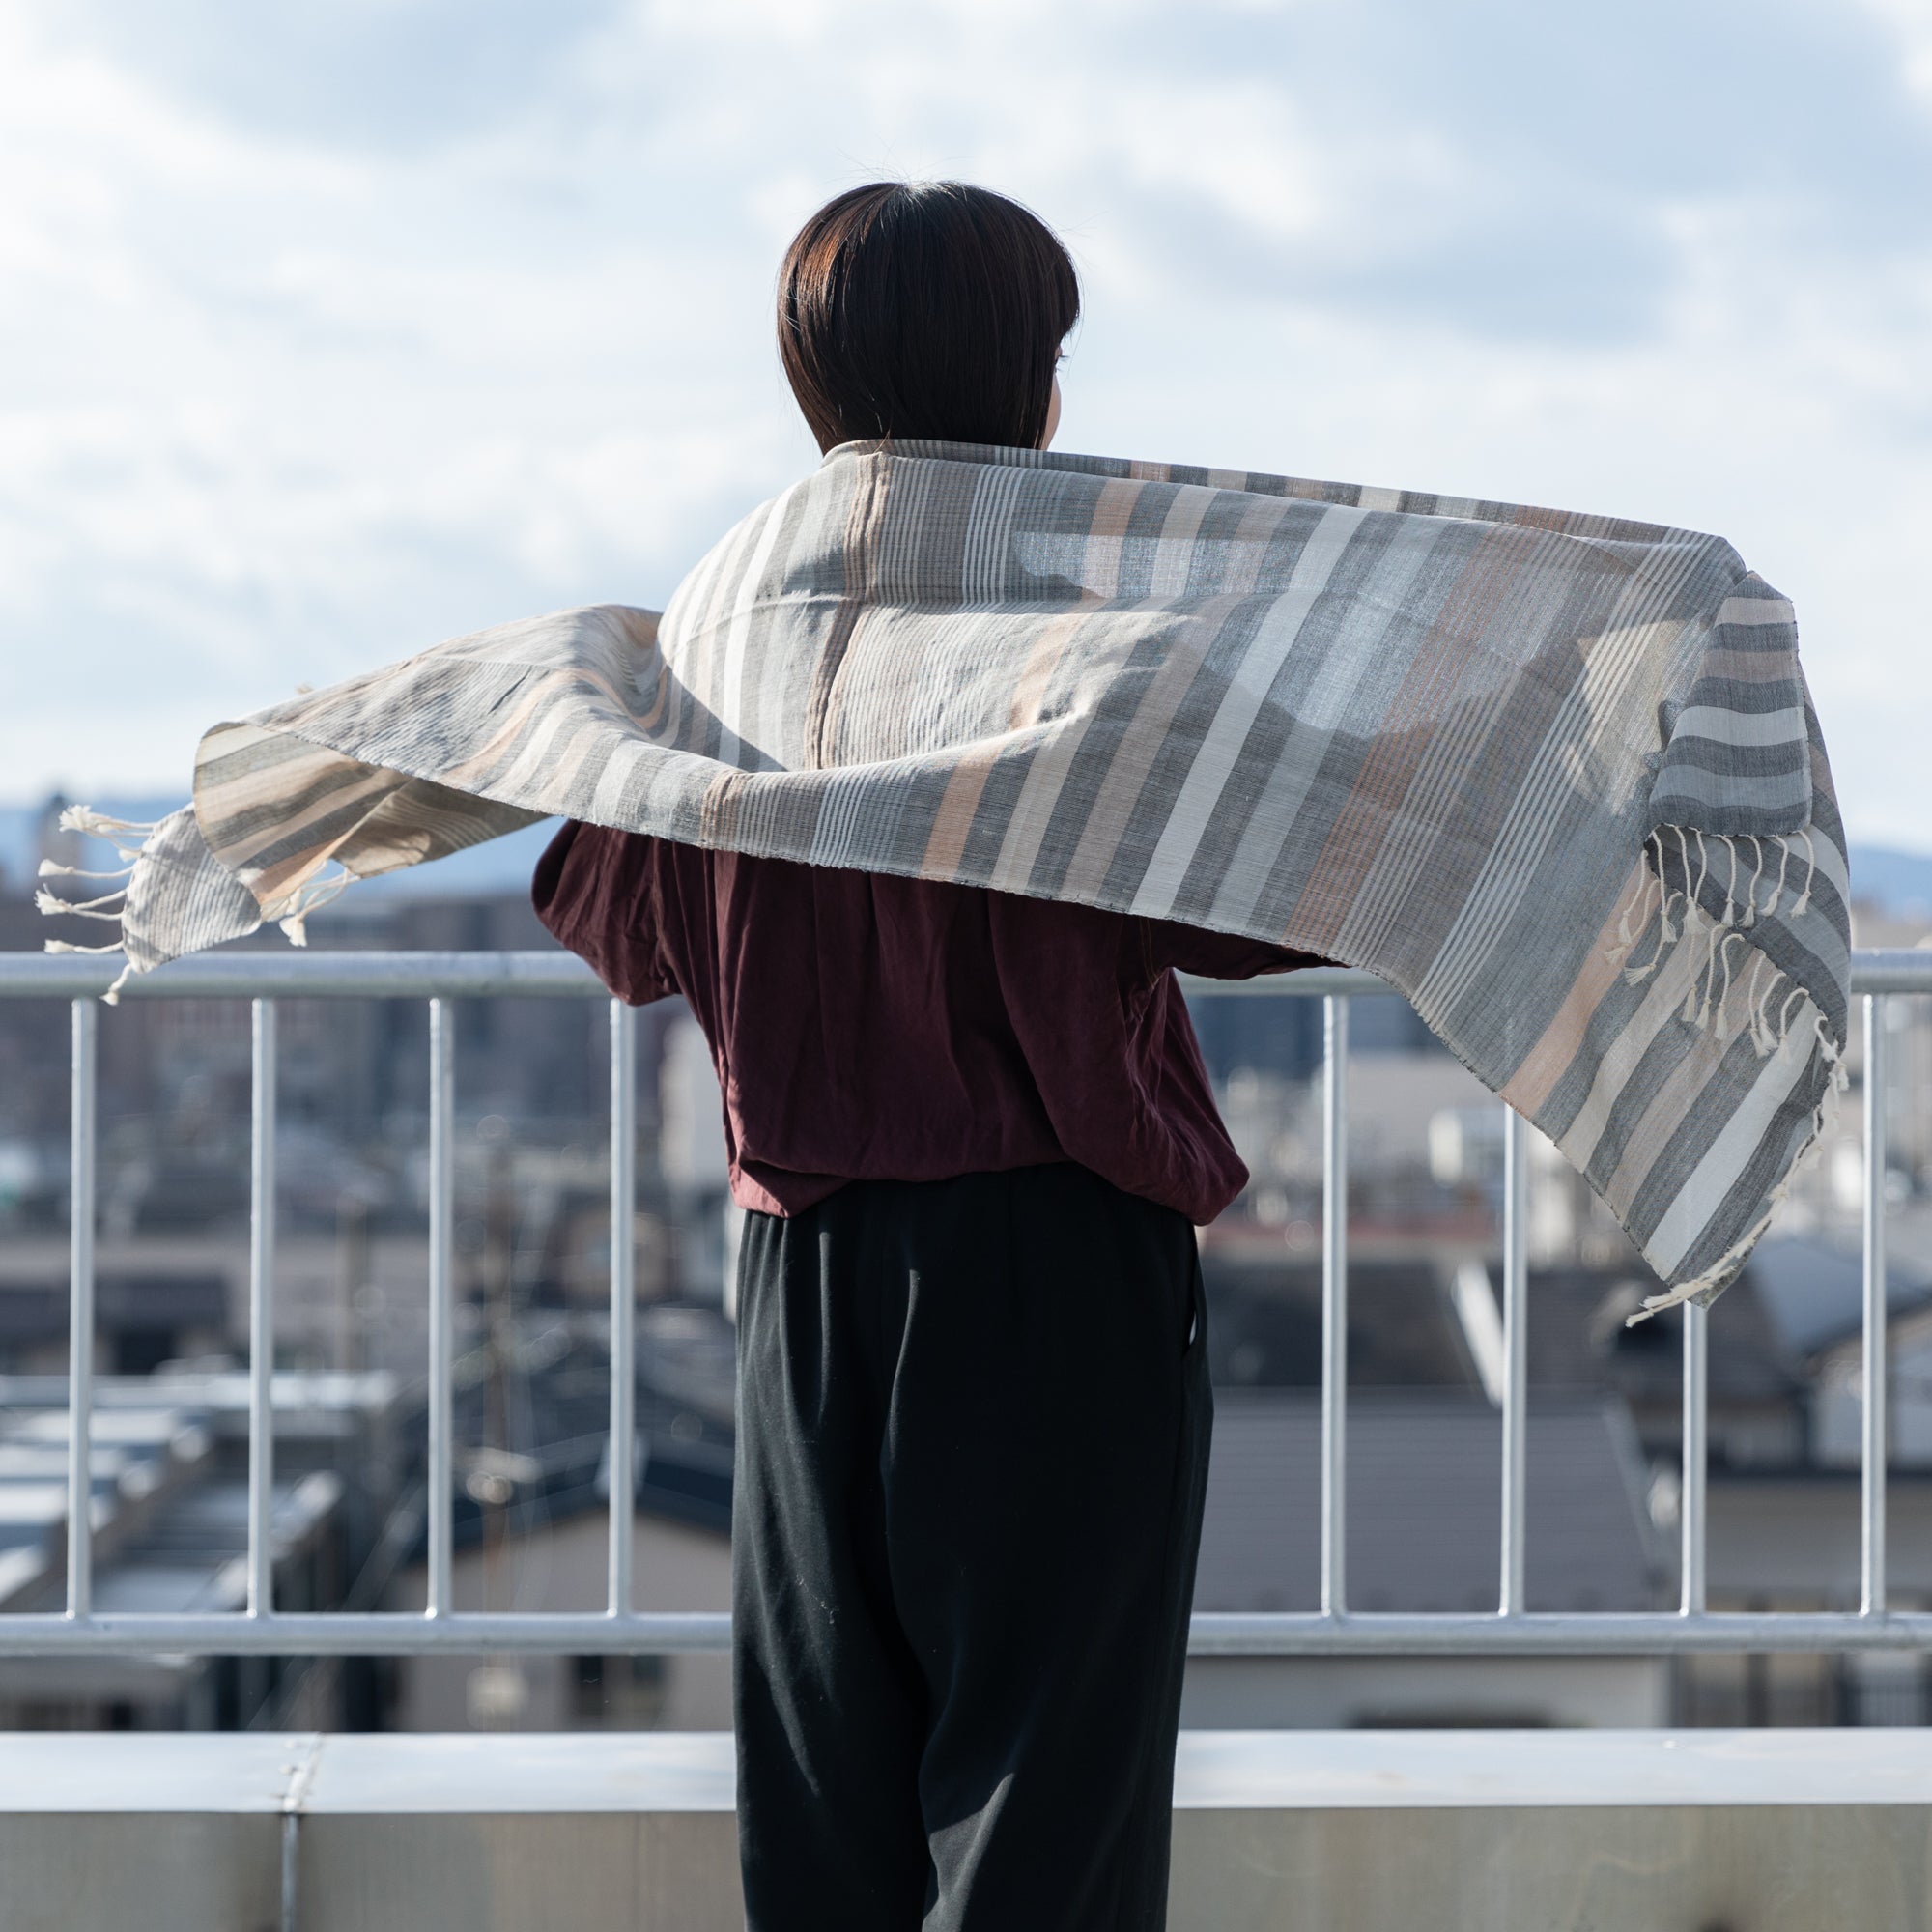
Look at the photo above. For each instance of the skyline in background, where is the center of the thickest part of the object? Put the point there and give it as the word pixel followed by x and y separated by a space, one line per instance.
pixel 330 336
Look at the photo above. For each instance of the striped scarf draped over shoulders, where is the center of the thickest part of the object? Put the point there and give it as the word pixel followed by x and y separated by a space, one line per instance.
pixel 1555 777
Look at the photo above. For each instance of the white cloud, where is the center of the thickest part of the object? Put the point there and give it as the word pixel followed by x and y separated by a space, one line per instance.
pixel 1912 21
pixel 317 355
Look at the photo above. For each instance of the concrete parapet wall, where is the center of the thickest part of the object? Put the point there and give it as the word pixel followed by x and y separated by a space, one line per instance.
pixel 1295 1832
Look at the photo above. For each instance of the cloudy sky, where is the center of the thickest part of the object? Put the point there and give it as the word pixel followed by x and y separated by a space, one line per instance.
pixel 328 331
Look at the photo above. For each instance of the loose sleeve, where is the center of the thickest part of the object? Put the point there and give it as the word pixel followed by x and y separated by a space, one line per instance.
pixel 598 893
pixel 1218 955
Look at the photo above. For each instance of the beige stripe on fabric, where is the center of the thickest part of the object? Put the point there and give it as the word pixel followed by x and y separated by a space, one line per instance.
pixel 257 758
pixel 536 726
pixel 717 810
pixel 237 849
pixel 526 763
pixel 1589 719
pixel 558 783
pixel 1353 655
pixel 1173 555
pixel 952 822
pixel 1652 1130
pixel 274 880
pixel 1201 793
pixel 1040 793
pixel 1033 811
pixel 1059 739
pixel 1689 1079
pixel 1374 799
pixel 946 847
pixel 1551 1058
pixel 1472 771
pixel 531 700
pixel 1712 1179
pixel 1189 643
pixel 1101 555
pixel 1661 1005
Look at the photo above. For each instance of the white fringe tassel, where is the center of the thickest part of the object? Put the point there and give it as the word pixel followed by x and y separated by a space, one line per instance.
pixel 308 898
pixel 100 824
pixel 127 837
pixel 56 907
pixel 49 870
pixel 1669 916
pixel 1732 1259
pixel 1666 915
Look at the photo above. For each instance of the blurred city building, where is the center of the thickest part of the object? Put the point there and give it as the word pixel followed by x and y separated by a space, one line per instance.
pixel 1423 1351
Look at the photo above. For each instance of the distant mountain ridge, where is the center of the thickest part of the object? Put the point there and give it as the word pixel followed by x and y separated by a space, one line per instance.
pixel 1898 882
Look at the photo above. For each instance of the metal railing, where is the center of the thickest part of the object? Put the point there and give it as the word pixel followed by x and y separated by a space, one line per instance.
pixel 443 977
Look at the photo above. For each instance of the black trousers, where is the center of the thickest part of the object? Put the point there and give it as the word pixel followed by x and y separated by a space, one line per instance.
pixel 973 1432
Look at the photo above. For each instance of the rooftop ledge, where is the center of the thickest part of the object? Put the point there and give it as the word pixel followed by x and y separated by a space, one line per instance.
pixel 506 1773
pixel 1295 1832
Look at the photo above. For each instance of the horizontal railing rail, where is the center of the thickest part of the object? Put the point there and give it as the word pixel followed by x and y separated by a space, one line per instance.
pixel 442 978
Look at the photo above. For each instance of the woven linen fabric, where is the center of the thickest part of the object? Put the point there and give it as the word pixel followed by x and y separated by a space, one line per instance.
pixel 1555 777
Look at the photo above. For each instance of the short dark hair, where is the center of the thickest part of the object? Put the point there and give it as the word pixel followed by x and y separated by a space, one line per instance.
pixel 924 309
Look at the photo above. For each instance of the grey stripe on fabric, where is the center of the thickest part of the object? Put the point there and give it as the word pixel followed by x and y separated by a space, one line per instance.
pixel 1740 1071
pixel 1789 1133
pixel 1774 791
pixel 1784 756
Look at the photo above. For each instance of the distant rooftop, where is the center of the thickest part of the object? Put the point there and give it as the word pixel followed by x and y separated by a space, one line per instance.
pixel 1424 1489
pixel 171 1526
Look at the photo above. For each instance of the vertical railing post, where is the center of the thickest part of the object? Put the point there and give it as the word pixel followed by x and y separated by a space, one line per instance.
pixel 1691 1522
pixel 1335 1306
pixel 80 1314
pixel 1877 1373
pixel 1516 1356
pixel 261 1310
pixel 442 1300
pixel 623 1300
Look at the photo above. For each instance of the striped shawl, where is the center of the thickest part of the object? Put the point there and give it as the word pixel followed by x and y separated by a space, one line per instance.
pixel 1554 778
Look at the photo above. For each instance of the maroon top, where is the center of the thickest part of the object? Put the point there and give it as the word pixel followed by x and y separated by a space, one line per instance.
pixel 866 1027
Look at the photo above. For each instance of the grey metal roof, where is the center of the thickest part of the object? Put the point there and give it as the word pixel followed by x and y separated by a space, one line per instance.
pixel 187 1551
pixel 191 1554
pixel 1813 1293
pixel 1424 1489
pixel 1579 1339
pixel 1264 1323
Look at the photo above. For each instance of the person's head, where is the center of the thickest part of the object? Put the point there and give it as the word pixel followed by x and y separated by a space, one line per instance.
pixel 927 309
